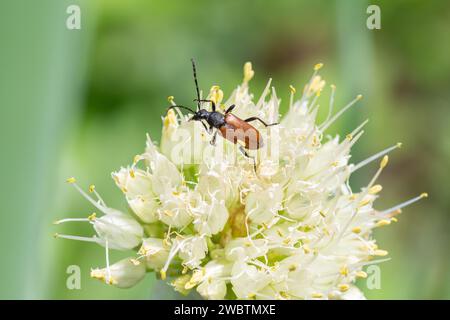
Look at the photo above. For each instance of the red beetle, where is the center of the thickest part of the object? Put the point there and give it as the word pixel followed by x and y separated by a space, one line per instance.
pixel 230 126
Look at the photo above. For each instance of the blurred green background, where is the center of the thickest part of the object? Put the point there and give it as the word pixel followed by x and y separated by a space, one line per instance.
pixel 79 103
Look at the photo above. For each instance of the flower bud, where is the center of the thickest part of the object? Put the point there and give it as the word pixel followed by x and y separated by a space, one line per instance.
pixel 120 230
pixel 155 252
pixel 122 274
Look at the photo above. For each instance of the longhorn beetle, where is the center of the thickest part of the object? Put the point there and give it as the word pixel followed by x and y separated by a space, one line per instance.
pixel 227 124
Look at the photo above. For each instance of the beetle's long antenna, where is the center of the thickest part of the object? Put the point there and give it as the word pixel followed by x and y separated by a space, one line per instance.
pixel 196 83
pixel 182 107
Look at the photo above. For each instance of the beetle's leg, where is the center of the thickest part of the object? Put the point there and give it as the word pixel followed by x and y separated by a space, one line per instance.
pixel 245 153
pixel 213 140
pixel 213 104
pixel 230 108
pixel 260 120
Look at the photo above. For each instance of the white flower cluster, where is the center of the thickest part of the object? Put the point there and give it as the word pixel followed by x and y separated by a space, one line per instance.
pixel 294 229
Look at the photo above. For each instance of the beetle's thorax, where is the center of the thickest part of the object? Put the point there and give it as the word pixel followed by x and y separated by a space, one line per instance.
pixel 215 119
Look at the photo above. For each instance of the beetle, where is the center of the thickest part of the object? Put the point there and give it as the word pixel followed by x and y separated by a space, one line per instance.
pixel 229 126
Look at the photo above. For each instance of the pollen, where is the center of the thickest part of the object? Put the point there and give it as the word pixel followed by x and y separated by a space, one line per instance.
pixel 318 66
pixel 356 230
pixel 92 217
pixel 138 156
pixel 170 99
pixel 383 222
pixel 248 72
pixel 71 180
pixel 170 119
pixel 364 202
pixel 343 287
pixel 135 262
pixel 292 88
pixel 361 274
pixel 384 162
pixel 317 295
pixel 344 271
pixel 216 94
pixel 380 253
pixel 132 173
pixel 91 188
pixel 375 189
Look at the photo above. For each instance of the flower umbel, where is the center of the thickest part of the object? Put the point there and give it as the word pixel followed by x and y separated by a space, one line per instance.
pixel 204 219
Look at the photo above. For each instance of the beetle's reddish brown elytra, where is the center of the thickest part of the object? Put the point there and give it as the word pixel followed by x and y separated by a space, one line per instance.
pixel 229 126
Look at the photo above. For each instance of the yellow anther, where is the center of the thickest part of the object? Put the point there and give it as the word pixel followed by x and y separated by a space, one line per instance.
pixel 168 213
pixel 170 98
pixel 97 274
pixel 71 180
pixel 251 296
pixel 352 197
pixel 359 97
pixel 92 217
pixel 292 268
pixel 316 85
pixel 91 188
pixel 343 287
pixel 124 190
pixel 344 271
pixel 55 235
pixel 248 72
pixel 318 66
pixel 333 87
pixel 349 137
pixel 163 274
pixel 361 274
pixel 143 251
pixel 138 156
pixel 424 195
pixel 380 253
pixel 292 88
pixel 135 262
pixel 356 230
pixel 399 144
pixel 132 173
pixel 364 202
pixel 383 222
pixel 216 94
pixel 170 118
pixel 317 295
pixel 375 189
pixel 306 249
pixel 384 162
pixel 394 219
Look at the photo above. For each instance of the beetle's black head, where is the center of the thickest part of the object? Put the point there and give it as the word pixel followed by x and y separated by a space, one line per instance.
pixel 201 114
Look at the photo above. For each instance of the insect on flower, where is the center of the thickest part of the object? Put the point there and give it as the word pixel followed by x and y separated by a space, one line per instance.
pixel 296 230
pixel 227 124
